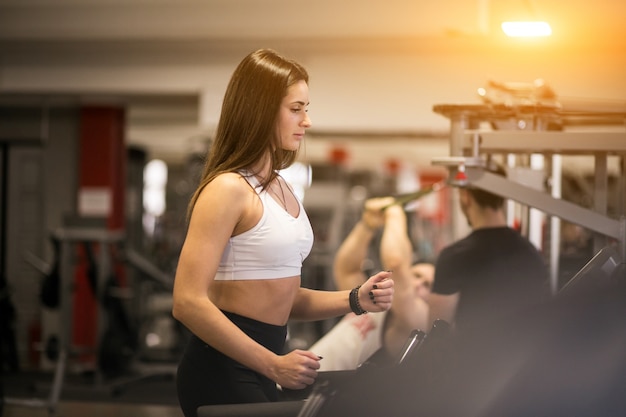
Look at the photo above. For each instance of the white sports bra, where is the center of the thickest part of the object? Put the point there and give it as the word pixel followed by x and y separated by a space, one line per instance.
pixel 274 248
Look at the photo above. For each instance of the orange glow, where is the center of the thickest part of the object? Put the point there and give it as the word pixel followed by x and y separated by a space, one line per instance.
pixel 526 29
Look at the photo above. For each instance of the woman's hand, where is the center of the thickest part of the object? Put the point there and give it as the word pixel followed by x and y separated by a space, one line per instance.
pixel 296 370
pixel 376 294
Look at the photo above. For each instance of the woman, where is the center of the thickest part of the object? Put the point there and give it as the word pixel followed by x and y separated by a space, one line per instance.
pixel 238 277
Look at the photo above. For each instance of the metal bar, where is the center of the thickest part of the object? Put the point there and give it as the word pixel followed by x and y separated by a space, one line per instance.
pixel 403 199
pixel 82 234
pixel 571 212
pixel 459 123
pixel 622 233
pixel 600 194
pixel 548 142
pixel 555 222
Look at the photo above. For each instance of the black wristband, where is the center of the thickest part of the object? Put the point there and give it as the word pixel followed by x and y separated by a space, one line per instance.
pixel 355 305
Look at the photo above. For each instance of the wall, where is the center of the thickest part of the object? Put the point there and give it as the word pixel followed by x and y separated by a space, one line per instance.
pixel 385 86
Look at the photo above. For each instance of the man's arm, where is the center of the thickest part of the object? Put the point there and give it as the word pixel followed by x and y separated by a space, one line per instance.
pixel 442 306
pixel 348 264
pixel 353 339
pixel 408 311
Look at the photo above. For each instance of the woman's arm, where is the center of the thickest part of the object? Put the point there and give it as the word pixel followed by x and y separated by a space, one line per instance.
pixel 348 264
pixel 319 305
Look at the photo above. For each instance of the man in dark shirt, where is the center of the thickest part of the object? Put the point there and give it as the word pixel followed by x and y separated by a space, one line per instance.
pixel 491 273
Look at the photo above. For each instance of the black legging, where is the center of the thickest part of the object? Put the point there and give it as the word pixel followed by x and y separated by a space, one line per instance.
pixel 206 376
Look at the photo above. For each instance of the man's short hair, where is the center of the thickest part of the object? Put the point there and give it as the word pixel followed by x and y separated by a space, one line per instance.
pixel 484 198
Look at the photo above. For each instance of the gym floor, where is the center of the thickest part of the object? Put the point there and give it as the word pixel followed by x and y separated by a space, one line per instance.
pixel 95 409
pixel 27 394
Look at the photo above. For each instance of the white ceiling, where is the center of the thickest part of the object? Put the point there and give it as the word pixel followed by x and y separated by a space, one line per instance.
pixel 249 19
pixel 223 19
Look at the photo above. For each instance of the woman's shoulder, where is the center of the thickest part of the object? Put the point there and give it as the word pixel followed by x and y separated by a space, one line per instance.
pixel 230 180
pixel 227 185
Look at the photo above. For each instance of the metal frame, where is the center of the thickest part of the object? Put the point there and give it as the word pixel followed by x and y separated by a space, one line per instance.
pixel 469 145
pixel 68 238
pixel 478 177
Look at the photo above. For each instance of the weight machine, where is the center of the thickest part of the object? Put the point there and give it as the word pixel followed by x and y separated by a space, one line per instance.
pixel 536 129
pixel 105 241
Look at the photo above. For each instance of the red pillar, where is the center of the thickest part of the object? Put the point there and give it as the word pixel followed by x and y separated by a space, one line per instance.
pixel 101 191
pixel 103 160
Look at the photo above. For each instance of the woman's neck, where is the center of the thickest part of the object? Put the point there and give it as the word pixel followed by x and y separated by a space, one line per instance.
pixel 262 169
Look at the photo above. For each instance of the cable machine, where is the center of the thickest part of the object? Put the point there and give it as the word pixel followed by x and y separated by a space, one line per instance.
pixel 471 145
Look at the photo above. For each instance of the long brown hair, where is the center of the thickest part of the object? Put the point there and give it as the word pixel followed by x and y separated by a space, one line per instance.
pixel 246 130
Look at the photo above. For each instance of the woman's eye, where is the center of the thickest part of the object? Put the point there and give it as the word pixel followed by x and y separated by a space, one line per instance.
pixel 296 110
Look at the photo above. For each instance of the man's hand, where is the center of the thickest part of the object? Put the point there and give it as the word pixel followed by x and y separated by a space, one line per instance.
pixel 373 215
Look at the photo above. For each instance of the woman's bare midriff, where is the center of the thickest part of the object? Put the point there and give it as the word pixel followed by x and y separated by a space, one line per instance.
pixel 265 300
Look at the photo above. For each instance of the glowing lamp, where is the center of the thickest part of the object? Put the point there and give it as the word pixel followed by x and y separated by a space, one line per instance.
pixel 526 29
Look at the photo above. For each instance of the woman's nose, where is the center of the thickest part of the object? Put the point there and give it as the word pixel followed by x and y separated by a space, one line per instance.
pixel 307 121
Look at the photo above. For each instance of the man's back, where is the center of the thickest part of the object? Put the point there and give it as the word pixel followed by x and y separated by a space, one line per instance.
pixel 496 271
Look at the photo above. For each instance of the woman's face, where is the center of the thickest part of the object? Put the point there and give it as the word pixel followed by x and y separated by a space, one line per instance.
pixel 293 119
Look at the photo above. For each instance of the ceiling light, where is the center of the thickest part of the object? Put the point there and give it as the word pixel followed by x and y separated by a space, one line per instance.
pixel 526 29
